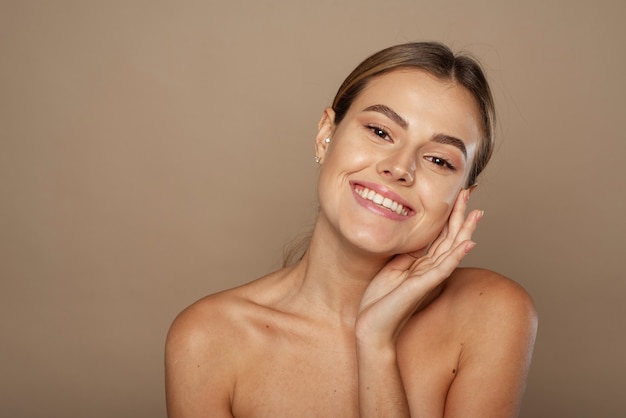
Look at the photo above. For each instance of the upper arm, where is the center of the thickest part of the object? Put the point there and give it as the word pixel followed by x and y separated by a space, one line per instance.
pixel 495 358
pixel 198 377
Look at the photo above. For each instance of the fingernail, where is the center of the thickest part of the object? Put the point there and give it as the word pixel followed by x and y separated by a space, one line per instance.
pixel 469 246
pixel 480 215
pixel 466 196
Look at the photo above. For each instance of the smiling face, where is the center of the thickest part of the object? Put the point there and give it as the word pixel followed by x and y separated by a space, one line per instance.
pixel 397 161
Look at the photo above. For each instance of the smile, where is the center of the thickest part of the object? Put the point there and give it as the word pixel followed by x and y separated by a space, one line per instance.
pixel 380 200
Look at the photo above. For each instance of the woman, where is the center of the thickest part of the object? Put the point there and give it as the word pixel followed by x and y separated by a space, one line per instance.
pixel 375 319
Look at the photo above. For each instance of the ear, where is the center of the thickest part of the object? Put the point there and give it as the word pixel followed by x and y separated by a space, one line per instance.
pixel 325 130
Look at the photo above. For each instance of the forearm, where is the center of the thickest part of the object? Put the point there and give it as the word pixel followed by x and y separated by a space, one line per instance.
pixel 381 391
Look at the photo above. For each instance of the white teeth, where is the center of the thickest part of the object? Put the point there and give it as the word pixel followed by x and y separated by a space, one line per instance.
pixel 394 206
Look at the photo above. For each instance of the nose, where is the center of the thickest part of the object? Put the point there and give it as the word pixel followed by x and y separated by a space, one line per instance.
pixel 399 167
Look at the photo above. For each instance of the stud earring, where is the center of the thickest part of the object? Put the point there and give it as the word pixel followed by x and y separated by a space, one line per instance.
pixel 317 159
pixel 327 140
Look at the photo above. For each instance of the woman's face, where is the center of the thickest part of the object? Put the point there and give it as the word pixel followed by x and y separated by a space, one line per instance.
pixel 397 161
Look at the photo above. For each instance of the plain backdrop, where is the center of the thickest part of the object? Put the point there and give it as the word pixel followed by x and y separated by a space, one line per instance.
pixel 152 152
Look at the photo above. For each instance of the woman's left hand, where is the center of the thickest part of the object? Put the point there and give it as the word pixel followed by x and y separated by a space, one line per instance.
pixel 407 280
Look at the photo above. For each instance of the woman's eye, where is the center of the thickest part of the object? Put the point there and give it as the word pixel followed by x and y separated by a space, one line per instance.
pixel 379 132
pixel 441 162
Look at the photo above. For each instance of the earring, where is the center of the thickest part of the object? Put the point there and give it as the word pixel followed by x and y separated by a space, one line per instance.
pixel 327 140
pixel 317 159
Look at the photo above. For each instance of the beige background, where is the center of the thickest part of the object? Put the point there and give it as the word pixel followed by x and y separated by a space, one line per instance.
pixel 152 152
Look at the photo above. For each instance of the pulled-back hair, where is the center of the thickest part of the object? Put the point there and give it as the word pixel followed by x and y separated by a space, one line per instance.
pixel 439 61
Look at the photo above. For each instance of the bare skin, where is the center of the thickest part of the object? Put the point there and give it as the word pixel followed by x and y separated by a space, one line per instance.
pixel 376 320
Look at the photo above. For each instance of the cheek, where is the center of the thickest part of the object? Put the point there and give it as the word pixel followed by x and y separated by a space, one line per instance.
pixel 437 208
pixel 349 152
pixel 448 202
pixel 341 160
pixel 438 196
pixel 330 184
pixel 440 213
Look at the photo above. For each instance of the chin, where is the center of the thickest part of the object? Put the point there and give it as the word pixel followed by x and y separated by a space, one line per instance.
pixel 382 244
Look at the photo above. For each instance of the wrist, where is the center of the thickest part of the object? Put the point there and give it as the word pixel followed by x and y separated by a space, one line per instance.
pixel 376 351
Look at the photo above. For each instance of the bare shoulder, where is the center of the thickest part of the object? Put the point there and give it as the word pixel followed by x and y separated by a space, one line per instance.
pixel 218 318
pixel 207 313
pixel 468 280
pixel 196 359
pixel 473 305
pixel 494 322
pixel 200 363
pixel 210 325
pixel 204 324
pixel 481 331
pixel 469 351
pixel 483 294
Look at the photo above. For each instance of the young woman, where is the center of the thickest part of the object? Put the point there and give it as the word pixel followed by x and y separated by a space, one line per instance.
pixel 375 319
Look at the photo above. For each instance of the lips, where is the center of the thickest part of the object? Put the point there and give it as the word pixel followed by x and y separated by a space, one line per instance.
pixel 381 200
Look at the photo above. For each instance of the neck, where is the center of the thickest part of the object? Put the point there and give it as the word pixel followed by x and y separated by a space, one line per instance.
pixel 334 276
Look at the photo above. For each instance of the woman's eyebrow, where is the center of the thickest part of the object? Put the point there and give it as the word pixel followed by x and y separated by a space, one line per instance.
pixel 389 112
pixel 451 140
pixel 439 138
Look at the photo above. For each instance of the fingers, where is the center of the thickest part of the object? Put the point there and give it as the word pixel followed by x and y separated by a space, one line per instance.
pixel 468 228
pixel 455 224
pixel 443 235
pixel 453 242
pixel 457 216
pixel 431 275
pixel 463 235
